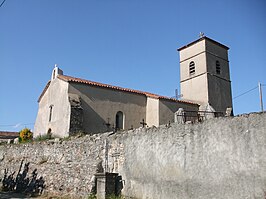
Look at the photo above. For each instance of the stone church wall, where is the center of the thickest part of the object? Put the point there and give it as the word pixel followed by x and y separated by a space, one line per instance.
pixel 76 115
pixel 219 158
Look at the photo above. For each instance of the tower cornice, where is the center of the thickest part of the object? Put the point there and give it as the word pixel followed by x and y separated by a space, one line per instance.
pixel 201 39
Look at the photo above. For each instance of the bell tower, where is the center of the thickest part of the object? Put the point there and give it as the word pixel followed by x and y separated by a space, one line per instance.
pixel 205 75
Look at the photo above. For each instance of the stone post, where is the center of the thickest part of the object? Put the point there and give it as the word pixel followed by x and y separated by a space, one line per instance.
pixel 105 184
pixel 180 116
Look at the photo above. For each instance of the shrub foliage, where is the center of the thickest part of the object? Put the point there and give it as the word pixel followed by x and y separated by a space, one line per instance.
pixel 25 135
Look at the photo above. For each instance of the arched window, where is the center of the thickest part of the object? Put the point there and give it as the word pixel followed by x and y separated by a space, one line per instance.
pixel 119 120
pixel 192 68
pixel 218 68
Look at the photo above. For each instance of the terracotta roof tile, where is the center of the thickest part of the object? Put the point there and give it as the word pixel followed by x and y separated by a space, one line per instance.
pixel 92 83
pixel 44 90
pixel 8 135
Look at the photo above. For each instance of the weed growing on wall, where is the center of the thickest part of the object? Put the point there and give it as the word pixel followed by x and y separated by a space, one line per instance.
pixel 25 135
pixel 114 197
pixel 43 137
pixel 93 196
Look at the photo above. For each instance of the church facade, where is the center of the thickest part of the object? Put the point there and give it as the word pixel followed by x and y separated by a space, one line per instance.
pixel 69 104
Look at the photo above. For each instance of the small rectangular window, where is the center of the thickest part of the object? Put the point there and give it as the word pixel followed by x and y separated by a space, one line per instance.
pixel 50 113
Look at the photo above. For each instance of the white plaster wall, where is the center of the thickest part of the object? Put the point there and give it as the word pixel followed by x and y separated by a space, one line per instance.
pixel 168 108
pixel 200 67
pixel 99 104
pixel 152 112
pixel 219 85
pixel 195 89
pixel 224 65
pixel 55 95
pixel 220 95
pixel 192 50
pixel 222 158
pixel 217 53
pixel 217 50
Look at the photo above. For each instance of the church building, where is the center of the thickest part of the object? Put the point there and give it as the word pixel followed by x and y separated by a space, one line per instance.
pixel 68 104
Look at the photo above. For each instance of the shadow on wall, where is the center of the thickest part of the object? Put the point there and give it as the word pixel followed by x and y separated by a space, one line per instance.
pixel 32 186
pixel 93 122
pixel 119 185
pixel 111 185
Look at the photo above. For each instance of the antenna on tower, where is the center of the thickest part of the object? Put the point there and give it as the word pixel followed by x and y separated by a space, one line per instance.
pixel 176 94
pixel 261 102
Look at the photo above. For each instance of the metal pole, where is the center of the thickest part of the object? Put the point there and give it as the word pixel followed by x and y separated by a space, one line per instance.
pixel 261 102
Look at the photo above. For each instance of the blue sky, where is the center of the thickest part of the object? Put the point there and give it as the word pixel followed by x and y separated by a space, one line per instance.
pixel 122 42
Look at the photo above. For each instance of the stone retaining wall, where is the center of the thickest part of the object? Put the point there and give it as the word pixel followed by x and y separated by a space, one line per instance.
pixel 219 158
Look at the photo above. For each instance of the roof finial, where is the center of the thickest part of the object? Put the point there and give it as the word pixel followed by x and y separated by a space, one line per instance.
pixel 55 65
pixel 201 34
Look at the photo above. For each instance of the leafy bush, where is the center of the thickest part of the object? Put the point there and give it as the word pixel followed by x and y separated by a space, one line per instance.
pixel 25 135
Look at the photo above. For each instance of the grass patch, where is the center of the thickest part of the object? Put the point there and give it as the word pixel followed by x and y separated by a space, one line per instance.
pixel 43 138
pixel 93 196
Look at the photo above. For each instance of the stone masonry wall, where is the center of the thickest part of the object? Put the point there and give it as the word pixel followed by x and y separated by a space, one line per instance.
pixel 219 158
